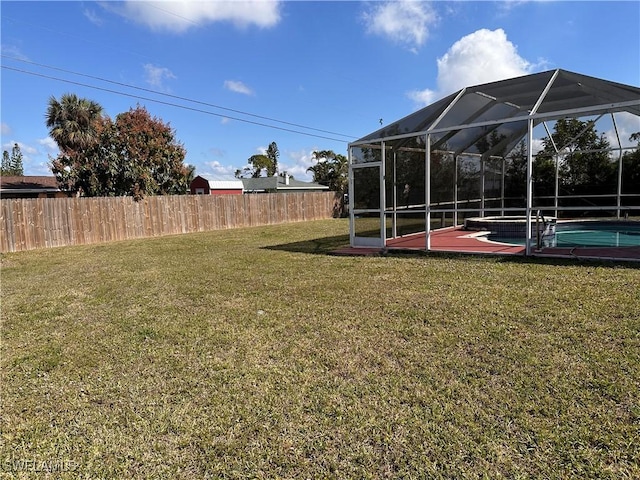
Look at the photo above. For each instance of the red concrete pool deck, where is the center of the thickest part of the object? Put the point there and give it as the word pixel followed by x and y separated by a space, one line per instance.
pixel 453 239
pixel 457 240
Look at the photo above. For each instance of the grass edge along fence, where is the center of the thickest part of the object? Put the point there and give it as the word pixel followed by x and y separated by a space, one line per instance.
pixel 34 223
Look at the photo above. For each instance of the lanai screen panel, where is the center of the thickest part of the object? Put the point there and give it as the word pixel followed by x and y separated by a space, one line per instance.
pixel 416 122
pixel 368 153
pixel 520 94
pixel 573 91
pixel 514 99
pixel 491 140
pixel 366 190
pixel 478 149
pixel 405 175
pixel 443 179
pixel 405 193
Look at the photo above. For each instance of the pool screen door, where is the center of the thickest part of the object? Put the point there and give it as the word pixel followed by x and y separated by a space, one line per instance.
pixel 367 214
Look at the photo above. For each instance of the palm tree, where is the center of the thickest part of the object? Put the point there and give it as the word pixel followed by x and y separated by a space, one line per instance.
pixel 331 169
pixel 72 121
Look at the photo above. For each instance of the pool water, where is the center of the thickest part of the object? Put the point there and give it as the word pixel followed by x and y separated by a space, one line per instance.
pixel 586 234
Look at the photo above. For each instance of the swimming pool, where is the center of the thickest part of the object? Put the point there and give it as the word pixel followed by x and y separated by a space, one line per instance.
pixel 591 233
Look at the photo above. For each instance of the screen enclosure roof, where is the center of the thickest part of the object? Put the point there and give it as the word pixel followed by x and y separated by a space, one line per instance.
pixel 503 109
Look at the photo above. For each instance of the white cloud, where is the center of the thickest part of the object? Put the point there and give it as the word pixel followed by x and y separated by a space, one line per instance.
pixel 627 124
pixel 537 145
pixel 49 144
pixel 13 51
pixel 480 57
pixel 179 16
pixel 5 129
pixel 26 150
pixel 506 7
pixel 297 163
pixel 34 161
pixel 238 87
pixel 406 22
pixel 218 171
pixel 422 97
pixel 156 76
pixel 92 16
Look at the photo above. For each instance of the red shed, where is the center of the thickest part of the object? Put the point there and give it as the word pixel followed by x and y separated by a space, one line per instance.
pixel 202 186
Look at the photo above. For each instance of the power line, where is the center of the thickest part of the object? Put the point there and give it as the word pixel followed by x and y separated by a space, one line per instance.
pixel 177 97
pixel 175 15
pixel 184 107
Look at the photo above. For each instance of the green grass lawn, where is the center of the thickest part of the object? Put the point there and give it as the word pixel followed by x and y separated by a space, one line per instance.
pixel 252 353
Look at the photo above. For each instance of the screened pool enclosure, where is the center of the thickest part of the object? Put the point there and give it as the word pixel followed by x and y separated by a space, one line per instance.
pixel 537 145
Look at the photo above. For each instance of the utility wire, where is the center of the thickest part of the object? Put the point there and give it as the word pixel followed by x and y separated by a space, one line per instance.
pixel 177 97
pixel 184 107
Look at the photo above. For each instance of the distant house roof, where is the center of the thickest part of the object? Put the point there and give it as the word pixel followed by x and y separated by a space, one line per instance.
pixel 279 184
pixel 226 185
pixel 28 184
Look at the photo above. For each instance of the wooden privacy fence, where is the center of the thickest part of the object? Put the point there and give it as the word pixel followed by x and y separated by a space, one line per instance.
pixel 32 223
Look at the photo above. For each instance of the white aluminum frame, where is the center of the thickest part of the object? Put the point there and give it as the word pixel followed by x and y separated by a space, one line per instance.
pixel 533 118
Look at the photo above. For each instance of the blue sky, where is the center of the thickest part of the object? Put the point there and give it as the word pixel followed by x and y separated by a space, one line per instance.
pixel 232 77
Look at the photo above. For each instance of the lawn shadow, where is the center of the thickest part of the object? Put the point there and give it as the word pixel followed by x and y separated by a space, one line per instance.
pixel 321 246
pixel 520 259
pixel 330 245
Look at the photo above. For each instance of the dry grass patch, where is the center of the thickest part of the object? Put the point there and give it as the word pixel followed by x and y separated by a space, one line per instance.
pixel 251 353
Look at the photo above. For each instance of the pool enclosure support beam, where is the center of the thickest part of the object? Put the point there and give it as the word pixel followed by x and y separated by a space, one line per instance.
pixel 383 196
pixel 556 188
pixel 455 190
pixel 529 210
pixel 556 157
pixel 619 191
pixel 352 215
pixel 502 192
pixel 394 216
pixel 539 117
pixel 427 193
pixel 482 185
pixel 530 123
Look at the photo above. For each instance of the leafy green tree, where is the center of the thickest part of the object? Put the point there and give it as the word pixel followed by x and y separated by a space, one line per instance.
pixel 331 169
pixel 73 122
pixel 134 155
pixel 442 175
pixel 272 154
pixel 12 164
pixel 585 166
pixel 266 163
pixel 631 167
pixel 260 163
pixel 515 183
pixel 491 141
pixel 6 164
pixel 16 160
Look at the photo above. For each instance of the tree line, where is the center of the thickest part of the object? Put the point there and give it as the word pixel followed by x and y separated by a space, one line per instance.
pixel 137 154
pixel 587 166
pixel 134 154
pixel 12 163
pixel 584 165
pixel 330 169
